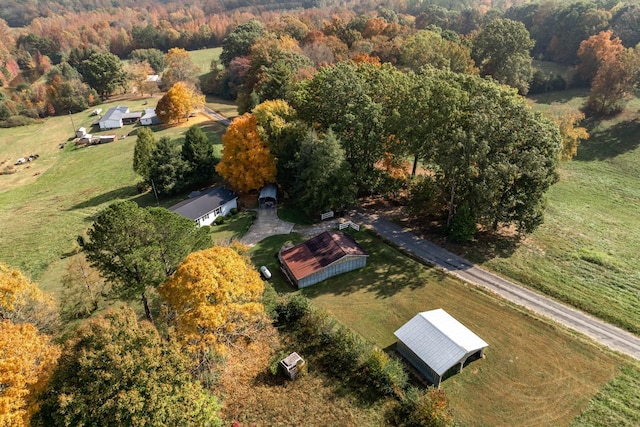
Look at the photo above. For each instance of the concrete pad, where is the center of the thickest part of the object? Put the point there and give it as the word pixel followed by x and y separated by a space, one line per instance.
pixel 266 224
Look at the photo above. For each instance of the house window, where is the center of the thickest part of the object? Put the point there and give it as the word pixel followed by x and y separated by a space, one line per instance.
pixel 218 211
pixel 205 217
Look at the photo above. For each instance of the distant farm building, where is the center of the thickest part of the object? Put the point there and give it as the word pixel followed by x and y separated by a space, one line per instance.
pixel 206 206
pixel 150 117
pixel 81 132
pixel 321 257
pixel 116 117
pixel 437 345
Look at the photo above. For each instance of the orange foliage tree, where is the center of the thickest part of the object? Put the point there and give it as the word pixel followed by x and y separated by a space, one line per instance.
pixel 247 162
pixel 571 134
pixel 21 301
pixel 27 359
pixel 214 299
pixel 595 51
pixel 176 105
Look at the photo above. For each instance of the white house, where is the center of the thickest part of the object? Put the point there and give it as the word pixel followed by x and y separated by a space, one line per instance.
pixel 207 206
pixel 150 117
pixel 112 119
pixel 81 132
pixel 437 345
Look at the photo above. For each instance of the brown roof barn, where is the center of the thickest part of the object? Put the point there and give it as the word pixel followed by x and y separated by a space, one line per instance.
pixel 323 256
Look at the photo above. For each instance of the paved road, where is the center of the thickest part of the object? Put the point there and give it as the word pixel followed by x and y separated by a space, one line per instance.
pixel 608 335
pixel 217 116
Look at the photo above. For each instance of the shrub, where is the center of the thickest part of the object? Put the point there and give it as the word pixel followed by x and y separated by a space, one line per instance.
pixel 219 220
pixel 463 226
pixel 270 301
pixel 346 351
pixel 385 374
pixel 233 211
pixel 422 408
pixel 290 310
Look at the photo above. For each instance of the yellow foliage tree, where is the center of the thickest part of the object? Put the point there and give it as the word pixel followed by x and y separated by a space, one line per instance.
pixel 179 67
pixel 27 359
pixel 247 162
pixel 571 134
pixel 21 301
pixel 176 105
pixel 214 299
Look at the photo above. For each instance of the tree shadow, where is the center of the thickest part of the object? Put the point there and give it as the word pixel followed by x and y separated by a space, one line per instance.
pixel 611 142
pixel 559 97
pixel 119 193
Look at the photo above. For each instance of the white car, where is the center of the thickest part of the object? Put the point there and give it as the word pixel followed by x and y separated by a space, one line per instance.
pixel 265 272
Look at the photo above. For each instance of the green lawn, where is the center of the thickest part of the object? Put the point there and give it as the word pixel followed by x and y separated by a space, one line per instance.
pixel 202 58
pixel 233 227
pixel 587 252
pixel 45 206
pixel 535 373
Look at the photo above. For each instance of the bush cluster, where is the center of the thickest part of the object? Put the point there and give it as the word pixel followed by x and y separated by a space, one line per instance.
pixel 343 353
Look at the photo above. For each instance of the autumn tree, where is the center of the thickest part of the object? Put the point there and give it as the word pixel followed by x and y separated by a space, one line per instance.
pixel 571 134
pixel 179 101
pixel 27 359
pixel 117 371
pixel 197 152
pixel 614 82
pixel 278 125
pixel 179 68
pixel 595 51
pixel 136 249
pixel 21 301
pixel 145 145
pixel 138 73
pixel 104 73
pixel 214 299
pixel 324 180
pixel 83 288
pixel 502 50
pixel 247 162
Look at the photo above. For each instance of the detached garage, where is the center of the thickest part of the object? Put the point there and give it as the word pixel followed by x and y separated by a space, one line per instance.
pixel 321 257
pixel 437 345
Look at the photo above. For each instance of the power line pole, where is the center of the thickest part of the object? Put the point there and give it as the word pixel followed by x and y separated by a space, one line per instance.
pixel 72 124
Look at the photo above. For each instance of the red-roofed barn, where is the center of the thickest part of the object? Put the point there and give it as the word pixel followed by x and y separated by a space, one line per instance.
pixel 325 255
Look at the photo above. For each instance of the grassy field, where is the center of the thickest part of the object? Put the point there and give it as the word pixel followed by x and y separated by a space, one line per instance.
pixel 202 58
pixel 587 252
pixel 534 374
pixel 48 202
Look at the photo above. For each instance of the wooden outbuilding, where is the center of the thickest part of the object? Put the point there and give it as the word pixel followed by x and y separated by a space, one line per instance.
pixel 437 345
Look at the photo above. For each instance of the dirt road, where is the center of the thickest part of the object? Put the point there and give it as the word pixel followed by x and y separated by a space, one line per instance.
pixel 604 333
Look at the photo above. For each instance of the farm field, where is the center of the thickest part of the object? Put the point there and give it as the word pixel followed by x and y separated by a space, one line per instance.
pixel 587 252
pixel 44 207
pixel 534 373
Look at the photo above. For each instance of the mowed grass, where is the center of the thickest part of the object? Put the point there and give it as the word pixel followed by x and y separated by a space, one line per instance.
pixel 202 58
pixel 45 207
pixel 534 373
pixel 587 252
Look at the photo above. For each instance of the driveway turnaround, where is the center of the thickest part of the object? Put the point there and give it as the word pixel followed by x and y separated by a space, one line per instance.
pixel 604 333
pixel 266 224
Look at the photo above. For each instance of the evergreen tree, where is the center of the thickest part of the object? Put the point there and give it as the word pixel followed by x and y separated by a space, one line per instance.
pixel 197 152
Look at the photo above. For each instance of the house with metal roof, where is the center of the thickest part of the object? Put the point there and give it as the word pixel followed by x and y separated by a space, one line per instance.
pixel 438 345
pixel 207 205
pixel 112 119
pixel 268 196
pixel 326 255
pixel 150 117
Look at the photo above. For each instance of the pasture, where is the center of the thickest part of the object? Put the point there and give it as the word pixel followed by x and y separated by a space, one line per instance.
pixel 587 252
pixel 47 203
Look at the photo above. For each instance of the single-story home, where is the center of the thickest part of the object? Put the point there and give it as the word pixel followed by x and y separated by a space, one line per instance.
pixel 150 117
pixel 205 207
pixel 112 119
pixel 326 255
pixel 268 196
pixel 437 345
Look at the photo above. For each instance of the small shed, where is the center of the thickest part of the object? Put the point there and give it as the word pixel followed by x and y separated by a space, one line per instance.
pixel 438 345
pixel 81 132
pixel 326 255
pixel 292 364
pixel 268 196
pixel 207 206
